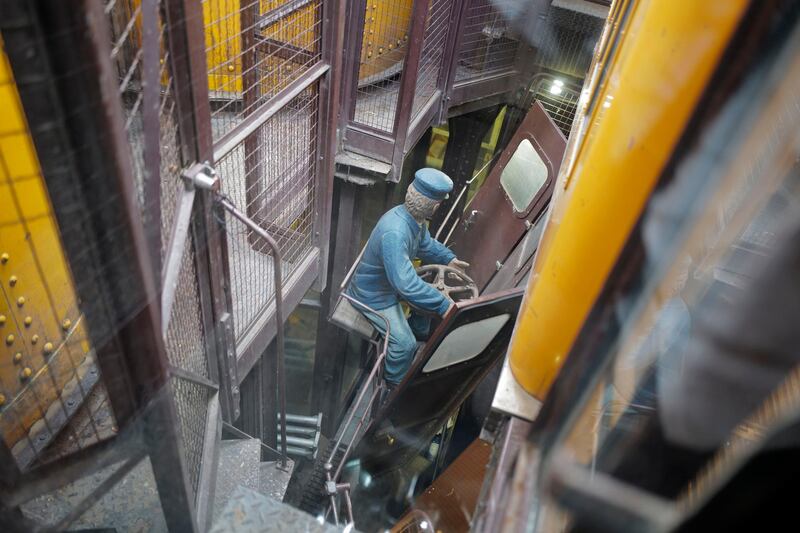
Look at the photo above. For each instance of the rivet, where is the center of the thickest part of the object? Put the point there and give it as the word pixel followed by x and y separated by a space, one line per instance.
pixel 34 339
pixel 18 357
pixel 161 61
pixel 405 37
pixel 48 347
pixel 20 301
pixel 231 68
pixel 28 321
pixel 4 258
pixel 380 50
pixel 12 280
pixel 391 46
pixel 371 32
pixel 372 19
pixel 369 54
pixel 369 43
pixel 2 399
pixel 2 319
pixel 66 324
pixel 10 340
pixel 26 373
pixel 399 42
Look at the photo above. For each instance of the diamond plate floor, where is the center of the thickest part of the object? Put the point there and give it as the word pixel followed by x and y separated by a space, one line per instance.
pixel 248 511
pixel 239 462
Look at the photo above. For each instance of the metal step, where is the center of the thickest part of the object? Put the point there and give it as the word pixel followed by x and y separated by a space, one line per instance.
pixel 239 466
pixel 131 505
pixel 248 511
pixel 274 480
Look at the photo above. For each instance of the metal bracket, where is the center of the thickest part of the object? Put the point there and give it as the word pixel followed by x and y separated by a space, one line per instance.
pixel 229 367
pixel 202 176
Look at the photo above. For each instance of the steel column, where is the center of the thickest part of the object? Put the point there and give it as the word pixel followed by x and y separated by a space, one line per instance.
pixel 91 188
pixel 186 39
pixel 333 21
pixel 408 82
pixel 151 104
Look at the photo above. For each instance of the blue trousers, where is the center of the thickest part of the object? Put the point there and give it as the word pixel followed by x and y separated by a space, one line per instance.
pixel 403 335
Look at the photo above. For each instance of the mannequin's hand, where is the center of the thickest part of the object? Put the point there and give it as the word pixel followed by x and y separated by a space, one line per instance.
pixel 458 264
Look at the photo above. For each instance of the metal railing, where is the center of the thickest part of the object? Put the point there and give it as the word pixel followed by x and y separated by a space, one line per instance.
pixel 374 382
pixel 276 254
pixel 202 176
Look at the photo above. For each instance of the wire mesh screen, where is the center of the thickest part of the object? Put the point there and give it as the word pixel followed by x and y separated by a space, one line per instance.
pixel 487 45
pixel 185 342
pixel 568 41
pixel 47 366
pixel 191 401
pixel 125 17
pixel 559 100
pixel 432 56
pixel 383 51
pixel 270 175
pixel 255 48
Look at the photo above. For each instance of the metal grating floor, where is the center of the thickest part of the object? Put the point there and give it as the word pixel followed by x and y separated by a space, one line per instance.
pixel 376 104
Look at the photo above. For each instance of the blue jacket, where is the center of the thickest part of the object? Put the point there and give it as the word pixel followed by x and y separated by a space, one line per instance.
pixel 385 274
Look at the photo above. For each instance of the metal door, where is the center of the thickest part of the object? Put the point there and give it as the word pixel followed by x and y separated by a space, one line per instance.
pixel 515 193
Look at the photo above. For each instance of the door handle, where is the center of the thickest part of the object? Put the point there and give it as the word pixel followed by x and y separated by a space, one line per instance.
pixel 470 220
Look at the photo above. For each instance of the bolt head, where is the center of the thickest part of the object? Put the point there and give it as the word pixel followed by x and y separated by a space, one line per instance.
pixel 34 339
pixel 12 281
pixel 18 357
pixel 48 347
pixel 4 257
pixel 26 373
pixel 28 321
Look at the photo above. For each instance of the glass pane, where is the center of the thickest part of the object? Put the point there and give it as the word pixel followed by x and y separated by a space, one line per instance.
pixel 466 342
pixel 523 176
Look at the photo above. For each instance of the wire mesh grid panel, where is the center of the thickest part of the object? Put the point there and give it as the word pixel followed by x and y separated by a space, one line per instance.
pixel 487 43
pixel 432 56
pixel 567 41
pixel 191 401
pixel 559 100
pixel 271 176
pixel 47 366
pixel 255 48
pixel 185 341
pixel 125 17
pixel 383 50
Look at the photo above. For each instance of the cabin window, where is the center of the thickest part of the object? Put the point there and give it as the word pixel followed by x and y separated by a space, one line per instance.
pixel 466 342
pixel 524 176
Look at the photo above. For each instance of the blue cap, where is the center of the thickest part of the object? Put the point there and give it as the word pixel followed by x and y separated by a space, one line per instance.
pixel 433 183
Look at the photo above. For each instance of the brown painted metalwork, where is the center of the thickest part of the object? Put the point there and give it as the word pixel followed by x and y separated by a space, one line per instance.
pixel 490 227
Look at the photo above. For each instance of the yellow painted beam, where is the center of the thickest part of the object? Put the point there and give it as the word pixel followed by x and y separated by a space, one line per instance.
pixel 666 54
pixel 42 339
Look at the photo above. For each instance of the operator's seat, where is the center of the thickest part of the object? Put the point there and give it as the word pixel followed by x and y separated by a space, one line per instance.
pixel 348 312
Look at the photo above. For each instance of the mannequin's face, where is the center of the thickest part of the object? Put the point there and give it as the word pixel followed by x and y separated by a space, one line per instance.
pixel 420 207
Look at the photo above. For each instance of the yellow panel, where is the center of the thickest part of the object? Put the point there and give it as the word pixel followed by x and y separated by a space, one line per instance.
pixel 20 159
pixel 11 122
pixel 667 53
pixel 42 338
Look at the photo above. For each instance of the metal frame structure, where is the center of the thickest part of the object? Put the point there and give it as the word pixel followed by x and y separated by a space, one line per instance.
pixel 139 392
